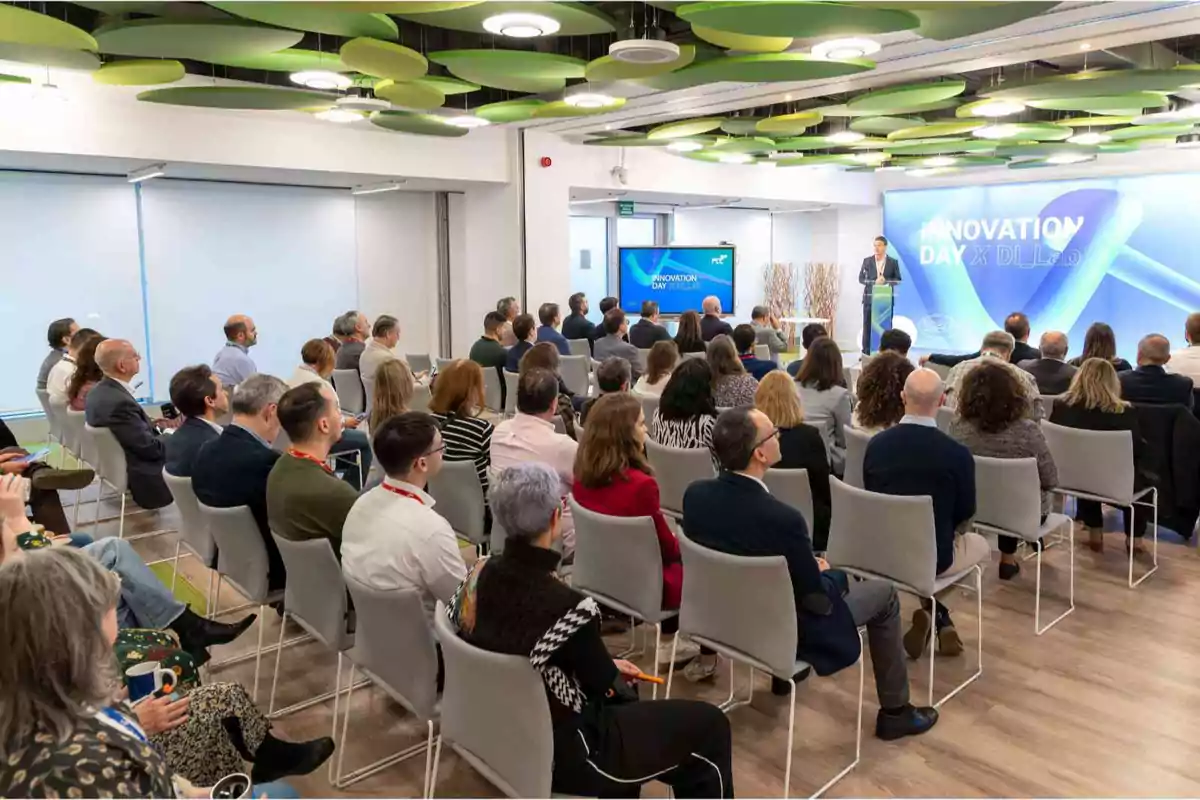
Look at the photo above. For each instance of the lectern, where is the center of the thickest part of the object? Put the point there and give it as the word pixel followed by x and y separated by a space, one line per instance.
pixel 882 303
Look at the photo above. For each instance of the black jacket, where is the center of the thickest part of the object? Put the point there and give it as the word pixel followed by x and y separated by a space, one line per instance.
pixel 183 445
pixel 867 274
pixel 1021 352
pixel 1052 376
pixel 1173 445
pixel 1119 364
pixel 802 447
pixel 110 405
pixel 1154 385
pixel 577 326
pixel 643 334
pixel 711 327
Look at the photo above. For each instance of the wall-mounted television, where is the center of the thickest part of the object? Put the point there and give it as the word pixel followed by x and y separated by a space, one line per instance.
pixel 677 278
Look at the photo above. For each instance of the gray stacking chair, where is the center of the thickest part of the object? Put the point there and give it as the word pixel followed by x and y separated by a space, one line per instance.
pixel 945 415
pixel 495 715
pixel 580 347
pixel 792 487
pixel 394 647
pixel 459 496
pixel 54 430
pixel 892 538
pixel 349 388
pixel 675 469
pixel 762 352
pixel 492 391
pixel 73 422
pixel 643 354
pixel 69 439
pixel 1008 500
pixel 421 398
pixel 744 608
pixel 649 405
pixel 194 535
pixel 419 363
pixel 856 453
pixel 112 471
pixel 695 355
pixel 1098 465
pixel 1045 403
pixel 618 562
pixel 574 372
pixel 510 392
pixel 442 363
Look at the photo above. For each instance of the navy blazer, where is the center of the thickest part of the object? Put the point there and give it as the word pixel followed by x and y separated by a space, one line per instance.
pixel 1021 352
pixel 577 326
pixel 711 327
pixel 867 273
pixel 547 333
pixel 110 405
pixel 513 364
pixel 758 367
pixel 1154 385
pixel 183 445
pixel 644 334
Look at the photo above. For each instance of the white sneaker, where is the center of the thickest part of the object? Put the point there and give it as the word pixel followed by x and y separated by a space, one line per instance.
pixel 684 652
pixel 703 668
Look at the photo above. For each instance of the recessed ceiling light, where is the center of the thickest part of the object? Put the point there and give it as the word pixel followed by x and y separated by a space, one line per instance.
pixel 644 51
pixel 1003 131
pixel 997 108
pixel 1068 158
pixel 360 103
pixel 874 157
pixel 839 49
pixel 685 146
pixel 521 25
pixel 735 158
pixel 321 79
pixel 341 115
pixel 589 100
pixel 466 121
pixel 1085 45
pixel 845 137
pixel 1089 137
pixel 940 161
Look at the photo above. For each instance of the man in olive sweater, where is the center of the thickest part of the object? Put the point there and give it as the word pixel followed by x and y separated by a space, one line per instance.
pixel 305 500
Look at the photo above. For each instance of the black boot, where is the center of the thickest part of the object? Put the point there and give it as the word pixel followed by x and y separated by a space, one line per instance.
pixel 197 634
pixel 277 759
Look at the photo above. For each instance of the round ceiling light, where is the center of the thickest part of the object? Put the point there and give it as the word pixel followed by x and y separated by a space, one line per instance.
pixel 685 146
pixel 644 51
pixel 1068 158
pixel 845 137
pixel 1090 137
pixel 997 108
pixel 321 79
pixel 521 25
pixel 1004 131
pixel 361 103
pixel 340 115
pixel 940 161
pixel 466 121
pixel 874 157
pixel 589 100
pixel 841 49
pixel 735 158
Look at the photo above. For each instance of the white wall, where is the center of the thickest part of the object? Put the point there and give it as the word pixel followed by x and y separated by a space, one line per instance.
pixel 749 231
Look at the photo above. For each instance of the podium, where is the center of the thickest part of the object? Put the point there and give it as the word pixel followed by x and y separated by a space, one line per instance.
pixel 879 303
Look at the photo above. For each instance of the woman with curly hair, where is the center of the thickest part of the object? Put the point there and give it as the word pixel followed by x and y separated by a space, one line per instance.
pixel 733 386
pixel 880 405
pixel 992 422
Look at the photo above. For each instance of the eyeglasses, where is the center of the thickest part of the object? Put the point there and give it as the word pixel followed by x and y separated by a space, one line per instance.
pixel 434 451
pixel 774 432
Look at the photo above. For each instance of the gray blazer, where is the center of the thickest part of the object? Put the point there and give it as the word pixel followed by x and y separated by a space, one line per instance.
pixel 611 345
pixel 829 412
pixel 773 339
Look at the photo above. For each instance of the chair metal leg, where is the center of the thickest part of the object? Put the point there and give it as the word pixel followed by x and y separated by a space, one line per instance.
pixel 730 703
pixel 979 643
pixel 671 666
pixel 1037 603
pixel 337 694
pixel 175 566
pixel 312 701
pixel 437 757
pixel 278 658
pixel 428 760
pixel 342 781
pixel 657 642
pixel 787 770
pixel 862 680
pixel 1154 545
pixel 258 653
pixel 121 524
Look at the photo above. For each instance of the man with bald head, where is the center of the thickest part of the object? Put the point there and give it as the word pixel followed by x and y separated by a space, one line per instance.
pixel 1150 383
pixel 112 404
pixel 711 324
pixel 232 364
pixel 914 458
pixel 1052 372
pixel 1186 360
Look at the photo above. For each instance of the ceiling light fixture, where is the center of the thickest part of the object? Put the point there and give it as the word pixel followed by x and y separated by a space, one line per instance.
pixel 321 79
pixel 735 158
pixel 685 146
pixel 870 158
pixel 146 173
pixel 845 137
pixel 521 25
pixel 1085 45
pixel 1068 158
pixel 1090 137
pixel 589 100
pixel 356 102
pixel 997 108
pixel 839 49
pixel 644 51
pixel 376 188
pixel 340 115
pixel 1003 131
pixel 467 121
pixel 940 161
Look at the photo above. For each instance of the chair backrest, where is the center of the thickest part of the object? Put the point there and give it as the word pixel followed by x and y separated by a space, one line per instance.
pixel 459 497
pixel 241 552
pixel 510 392
pixel 52 419
pixel 676 468
pixel 941 369
pixel 792 487
pixel 442 363
pixel 880 534
pixel 315 594
pixel 59 425
pixel 394 643
pixel 574 372
pixel 695 355
pixel 1094 462
pixel 618 558
pixel 419 363
pixel 580 347
pixel 1045 405
pixel 421 398
pixel 945 415
pixel 110 457
pixel 856 453
pixel 1008 494
pixel 349 390
pixel 495 714
pixel 282 442
pixel 498 538
pixel 559 425
pixel 649 405
pixel 740 602
pixel 762 352
pixel 493 392
pixel 193 527
pixel 78 440
pixel 643 354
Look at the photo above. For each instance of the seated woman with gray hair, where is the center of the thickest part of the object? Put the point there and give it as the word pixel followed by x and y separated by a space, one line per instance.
pixel 606 742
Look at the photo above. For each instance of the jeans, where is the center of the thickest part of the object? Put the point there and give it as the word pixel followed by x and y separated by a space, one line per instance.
pixel 80 539
pixel 145 602
pixel 275 790
pixel 353 441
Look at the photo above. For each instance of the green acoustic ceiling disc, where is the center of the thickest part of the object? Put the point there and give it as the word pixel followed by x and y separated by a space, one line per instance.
pixel 804 143
pixel 1117 105
pixel 448 86
pixel 154 8
pixel 11 79
pixel 702 155
pixel 414 122
pixel 1040 162
pixel 383 59
pixel 637 140
pixel 514 70
pixel 934 129
pixel 290 60
pixel 790 124
pixel 742 42
pixel 871 143
pixel 751 145
pixel 139 72
pixel 262 98
pixel 816 161
pixel 892 99
pixel 607 68
pixel 1093 122
pixel 42 56
pixel 560 108
pixel 796 18
pixel 574 19
pixel 959 162
pixel 1163 129
pixel 20 26
pixel 409 94
pixel 1044 150
pixel 741 126
pixel 1097 83
pixel 1025 132
pixel 951 145
pixel 1178 115
pixel 311 17
pixel 884 125
pixel 512 110
pixel 396 6
pixel 200 40
pixel 687 127
pixel 943 21
pixel 843 110
pixel 768 67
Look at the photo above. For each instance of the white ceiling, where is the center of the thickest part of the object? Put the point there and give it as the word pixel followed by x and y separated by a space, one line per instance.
pixel 595 200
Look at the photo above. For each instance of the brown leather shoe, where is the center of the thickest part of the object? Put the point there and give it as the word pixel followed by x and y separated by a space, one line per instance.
pixel 949 642
pixel 917 637
pixel 1095 539
pixel 62 478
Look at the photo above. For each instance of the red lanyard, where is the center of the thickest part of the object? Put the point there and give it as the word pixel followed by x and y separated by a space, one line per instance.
pixel 402 492
pixel 294 453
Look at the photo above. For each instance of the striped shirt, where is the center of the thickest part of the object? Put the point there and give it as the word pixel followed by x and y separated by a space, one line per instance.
pixel 682 433
pixel 468 439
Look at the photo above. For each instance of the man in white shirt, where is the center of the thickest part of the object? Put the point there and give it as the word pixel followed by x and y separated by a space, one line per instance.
pixel 392 537
pixel 59 380
pixel 1186 361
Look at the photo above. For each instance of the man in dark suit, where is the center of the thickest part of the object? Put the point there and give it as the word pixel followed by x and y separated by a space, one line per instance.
pixel 577 325
pixel 1016 324
pixel 876 269
pixel 914 458
pixel 647 330
pixel 199 397
pixel 1052 372
pixel 548 332
pixel 744 339
pixel 711 324
pixel 1150 383
pixel 735 513
pixel 111 404
pixel 233 470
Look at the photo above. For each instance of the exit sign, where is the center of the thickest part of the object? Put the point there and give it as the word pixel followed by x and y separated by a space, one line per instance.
pixel 625 208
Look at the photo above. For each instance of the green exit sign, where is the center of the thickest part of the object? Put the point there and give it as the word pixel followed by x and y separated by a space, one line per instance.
pixel 625 208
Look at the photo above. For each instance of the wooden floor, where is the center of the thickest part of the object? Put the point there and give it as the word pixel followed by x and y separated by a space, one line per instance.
pixel 1105 704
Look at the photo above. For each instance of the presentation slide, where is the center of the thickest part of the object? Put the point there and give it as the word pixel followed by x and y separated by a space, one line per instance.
pixel 1067 253
pixel 678 278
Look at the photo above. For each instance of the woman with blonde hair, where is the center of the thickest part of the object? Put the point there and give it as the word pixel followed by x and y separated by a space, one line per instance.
pixel 394 388
pixel 800 446
pixel 458 397
pixel 660 363
pixel 733 387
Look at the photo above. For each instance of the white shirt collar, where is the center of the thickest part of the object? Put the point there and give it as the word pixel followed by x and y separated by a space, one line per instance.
pixel 211 424
pixel 127 387
pixel 759 481
pixel 913 419
pixel 426 499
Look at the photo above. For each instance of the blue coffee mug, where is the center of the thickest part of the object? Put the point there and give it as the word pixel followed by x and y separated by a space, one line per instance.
pixel 147 678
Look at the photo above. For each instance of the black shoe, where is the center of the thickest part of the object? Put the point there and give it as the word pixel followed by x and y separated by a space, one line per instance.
pixel 197 633
pixel 1009 571
pixel 277 759
pixel 910 721
pixel 65 479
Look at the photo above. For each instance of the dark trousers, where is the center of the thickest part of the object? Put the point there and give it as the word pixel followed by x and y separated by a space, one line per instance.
pixel 44 503
pixel 682 743
pixel 1008 544
pixel 1091 514
pixel 866 336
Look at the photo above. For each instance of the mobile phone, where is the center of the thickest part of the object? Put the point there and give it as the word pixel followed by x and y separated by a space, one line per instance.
pixel 169 411
pixel 32 457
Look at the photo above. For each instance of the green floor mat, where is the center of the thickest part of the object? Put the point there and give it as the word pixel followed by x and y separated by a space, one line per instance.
pixel 184 590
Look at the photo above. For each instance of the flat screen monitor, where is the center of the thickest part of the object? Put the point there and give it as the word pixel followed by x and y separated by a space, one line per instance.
pixel 677 278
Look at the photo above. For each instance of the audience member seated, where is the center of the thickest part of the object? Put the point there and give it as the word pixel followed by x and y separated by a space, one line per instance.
pixel 549 316
pixel 487 350
pixel 880 392
pixel 232 363
pixel 894 340
pixel 530 436
pixel 394 389
pixel 523 329
pixel 1186 360
pixel 58 335
pixel 58 382
pixel 733 386
pixel 809 334
pixel 744 339
pixel 1016 324
pixel 991 422
pixel 997 345
pixel 233 470
pixel 317 359
pixel 380 350
pixel 827 402
pixel 914 458
pixel 1101 342
pixel 1150 383
pixel 544 355
pixel 393 538
pixel 199 397
pixel 688 337
pixel 607 304
pixel 338 334
pixel 613 343
pixel 711 324
pixel 87 374
pixel 456 405
pixel 111 404
pixel 766 331
pixel 577 325
pixel 686 410
pixel 735 513
pixel 1093 402
pixel 612 376
pixel 606 743
pixel 800 447
pixel 660 362
pixel 510 309
pixel 355 342
pixel 1052 372
pixel 45 483
pixel 305 500
pixel 648 331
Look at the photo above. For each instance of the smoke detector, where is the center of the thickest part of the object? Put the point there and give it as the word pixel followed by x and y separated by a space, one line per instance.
pixel 362 103
pixel 644 51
